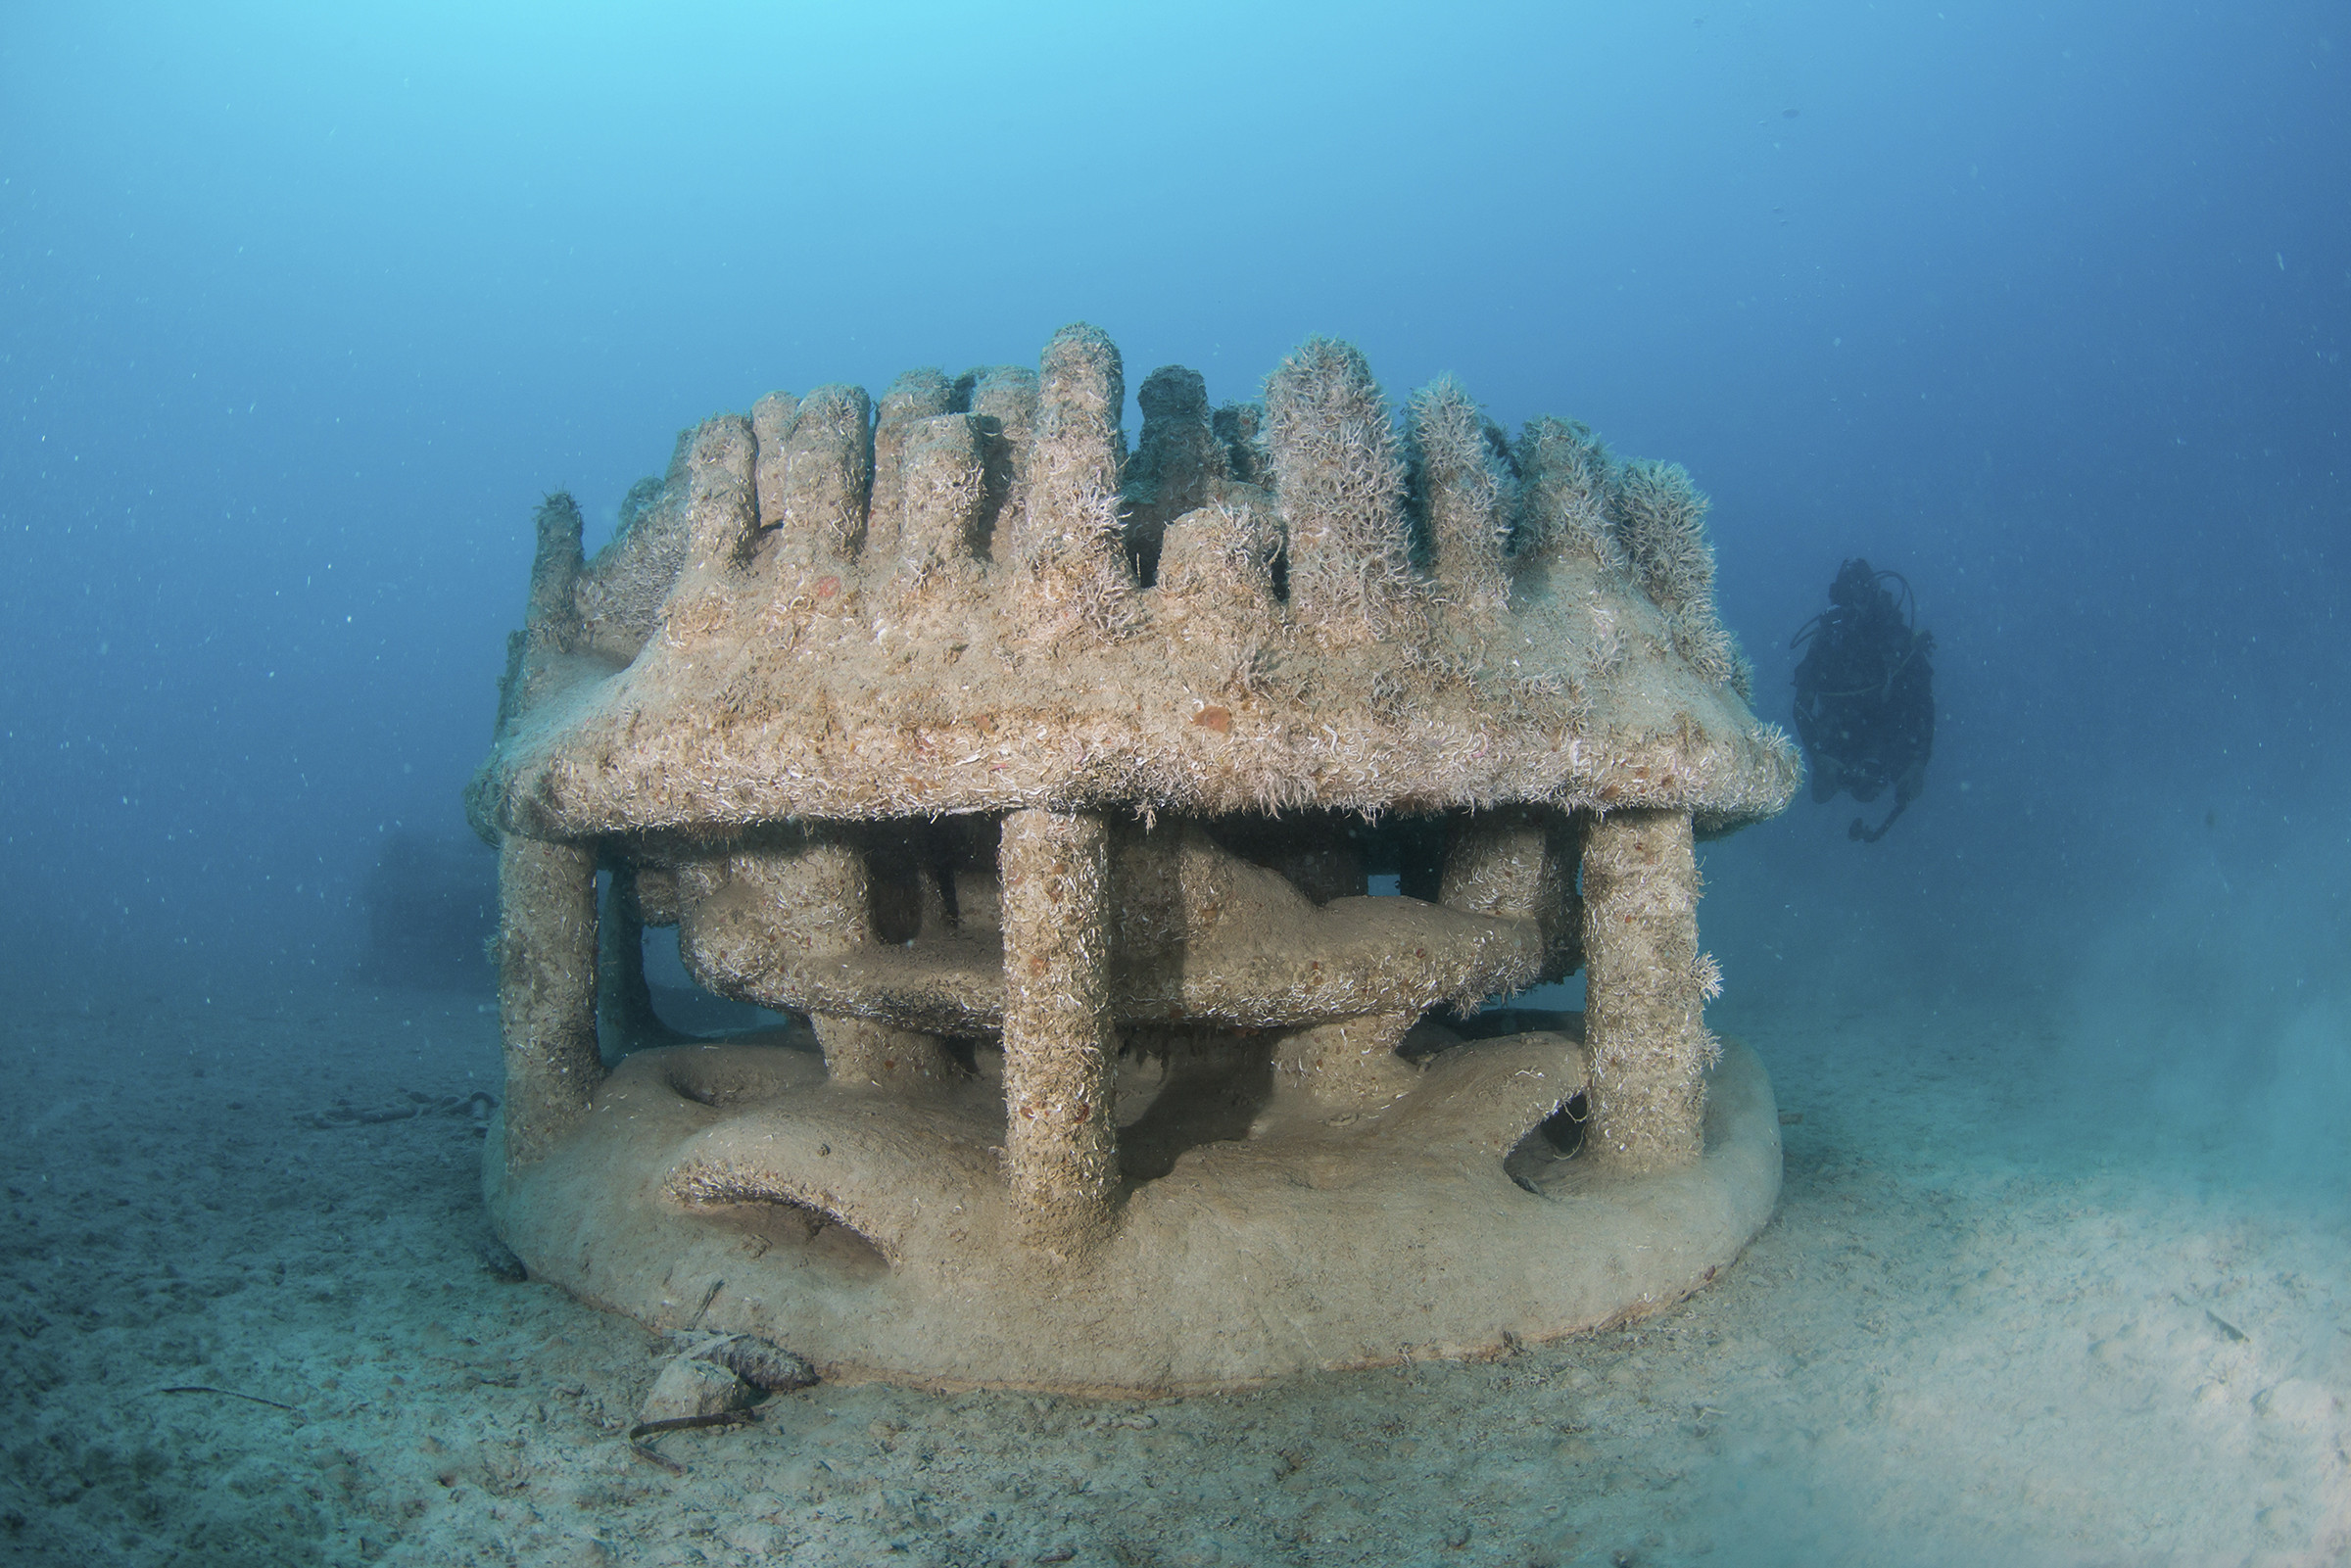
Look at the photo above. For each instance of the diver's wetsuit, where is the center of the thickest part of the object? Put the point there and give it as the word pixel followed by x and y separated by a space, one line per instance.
pixel 1865 695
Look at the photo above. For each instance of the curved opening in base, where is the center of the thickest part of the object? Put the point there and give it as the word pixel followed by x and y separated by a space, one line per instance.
pixel 1547 1145
pixel 826 1242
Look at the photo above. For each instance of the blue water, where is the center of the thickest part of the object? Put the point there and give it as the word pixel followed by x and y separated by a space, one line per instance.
pixel 2044 306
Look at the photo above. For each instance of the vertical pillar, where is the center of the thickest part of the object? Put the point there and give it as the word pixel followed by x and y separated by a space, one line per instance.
pixel 1068 544
pixel 1519 863
pixel 1340 487
pixel 915 396
pixel 545 991
pixel 1351 1061
pixel 1643 1030
pixel 1500 863
pixel 552 614
pixel 941 493
pixel 1061 1154
pixel 624 1003
pixel 826 479
pixel 550 622
pixel 818 896
pixel 823 888
pixel 1465 504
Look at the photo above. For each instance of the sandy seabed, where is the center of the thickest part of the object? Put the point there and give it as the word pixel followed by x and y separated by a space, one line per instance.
pixel 1990 1323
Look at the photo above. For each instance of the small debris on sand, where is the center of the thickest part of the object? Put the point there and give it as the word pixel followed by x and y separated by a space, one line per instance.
pixel 475 1107
pixel 712 1375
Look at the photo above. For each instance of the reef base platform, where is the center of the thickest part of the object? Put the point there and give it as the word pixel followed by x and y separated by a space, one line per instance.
pixel 734 1187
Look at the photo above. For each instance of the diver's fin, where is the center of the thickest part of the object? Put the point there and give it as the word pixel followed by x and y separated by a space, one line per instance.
pixel 1864 833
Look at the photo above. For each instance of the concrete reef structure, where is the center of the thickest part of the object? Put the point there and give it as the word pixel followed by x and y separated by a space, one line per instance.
pixel 1048 784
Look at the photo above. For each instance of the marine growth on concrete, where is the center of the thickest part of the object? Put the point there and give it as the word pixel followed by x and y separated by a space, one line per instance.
pixel 1055 792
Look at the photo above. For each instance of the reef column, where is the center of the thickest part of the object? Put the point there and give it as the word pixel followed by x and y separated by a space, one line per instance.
pixel 625 1020
pixel 1643 1030
pixel 806 909
pixel 1060 1156
pixel 545 991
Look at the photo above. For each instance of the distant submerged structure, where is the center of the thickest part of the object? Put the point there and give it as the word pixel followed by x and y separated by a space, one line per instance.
pixel 1048 784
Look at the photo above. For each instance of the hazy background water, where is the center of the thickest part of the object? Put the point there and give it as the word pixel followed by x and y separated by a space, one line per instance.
pixel 302 307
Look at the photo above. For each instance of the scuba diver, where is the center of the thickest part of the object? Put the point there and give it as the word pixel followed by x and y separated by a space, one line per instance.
pixel 1865 694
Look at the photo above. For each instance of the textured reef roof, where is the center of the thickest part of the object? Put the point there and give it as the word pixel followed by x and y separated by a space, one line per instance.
pixel 971 598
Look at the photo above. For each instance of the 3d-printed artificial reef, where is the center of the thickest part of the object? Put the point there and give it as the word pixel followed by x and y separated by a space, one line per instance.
pixel 1050 782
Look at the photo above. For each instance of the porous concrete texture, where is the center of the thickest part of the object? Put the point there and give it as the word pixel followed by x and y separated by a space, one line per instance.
pixel 1047 783
pixel 1061 1153
pixel 1646 990
pixel 547 988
